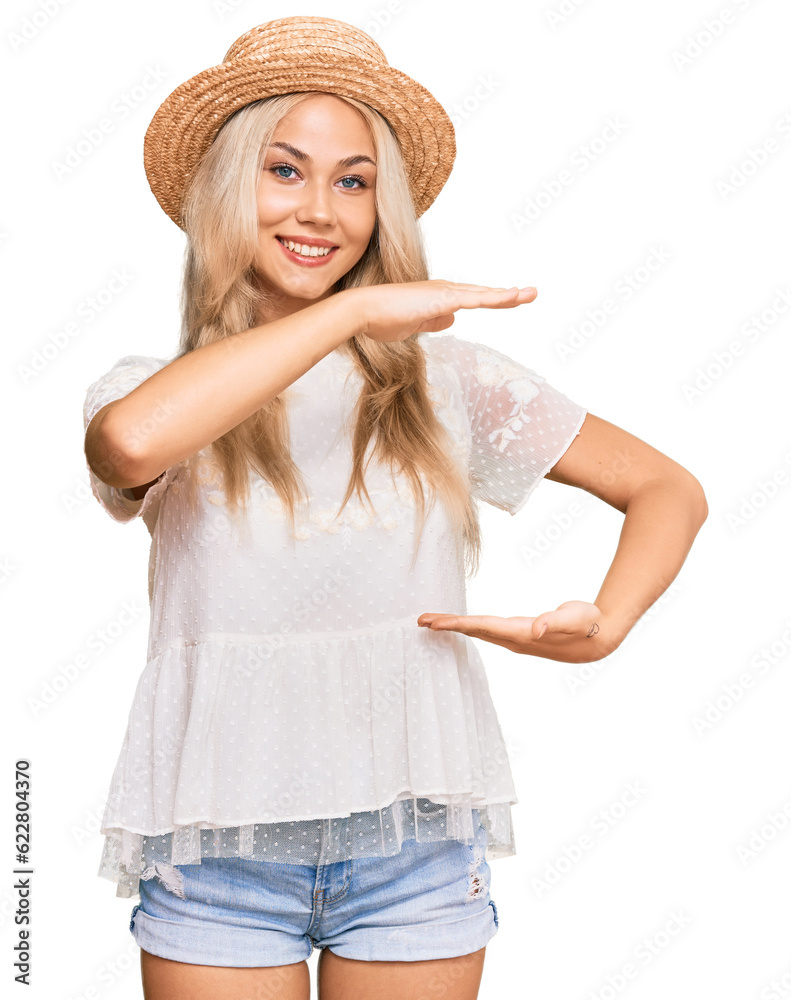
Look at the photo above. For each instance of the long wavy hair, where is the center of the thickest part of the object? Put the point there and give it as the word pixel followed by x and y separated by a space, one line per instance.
pixel 220 296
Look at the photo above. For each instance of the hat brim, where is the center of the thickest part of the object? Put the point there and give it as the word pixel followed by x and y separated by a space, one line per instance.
pixel 188 120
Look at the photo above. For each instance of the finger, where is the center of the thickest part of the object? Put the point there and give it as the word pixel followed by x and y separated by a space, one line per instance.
pixel 440 621
pixel 495 298
pixel 500 631
pixel 499 293
pixel 468 286
pixel 428 616
pixel 450 298
pixel 489 625
pixel 458 287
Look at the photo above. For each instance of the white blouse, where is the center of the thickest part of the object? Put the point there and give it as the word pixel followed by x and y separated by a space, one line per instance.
pixel 291 709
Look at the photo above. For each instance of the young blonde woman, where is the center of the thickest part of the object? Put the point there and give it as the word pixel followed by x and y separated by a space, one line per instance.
pixel 312 757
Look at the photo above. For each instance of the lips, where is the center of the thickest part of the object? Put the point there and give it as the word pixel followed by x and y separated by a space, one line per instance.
pixel 306 242
pixel 296 258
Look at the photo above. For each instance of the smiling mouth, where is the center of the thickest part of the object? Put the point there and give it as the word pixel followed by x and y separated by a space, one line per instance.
pixel 304 250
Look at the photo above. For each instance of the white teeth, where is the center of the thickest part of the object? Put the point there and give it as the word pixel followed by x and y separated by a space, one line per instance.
pixel 305 250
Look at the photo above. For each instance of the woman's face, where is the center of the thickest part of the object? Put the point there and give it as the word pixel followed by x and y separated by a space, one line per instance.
pixel 307 191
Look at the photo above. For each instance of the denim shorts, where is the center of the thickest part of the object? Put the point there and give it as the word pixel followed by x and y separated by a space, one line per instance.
pixel 429 901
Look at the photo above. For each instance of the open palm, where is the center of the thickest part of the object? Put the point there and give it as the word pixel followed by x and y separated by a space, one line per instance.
pixel 571 633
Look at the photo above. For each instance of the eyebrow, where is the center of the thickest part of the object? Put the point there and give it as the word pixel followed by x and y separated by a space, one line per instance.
pixel 348 161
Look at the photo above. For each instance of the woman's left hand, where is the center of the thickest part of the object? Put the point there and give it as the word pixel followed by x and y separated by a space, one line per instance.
pixel 576 632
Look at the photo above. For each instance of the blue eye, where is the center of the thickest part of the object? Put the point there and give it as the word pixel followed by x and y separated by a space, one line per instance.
pixel 349 177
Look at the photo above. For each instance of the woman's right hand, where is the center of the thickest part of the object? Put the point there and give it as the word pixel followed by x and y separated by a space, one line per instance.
pixel 395 311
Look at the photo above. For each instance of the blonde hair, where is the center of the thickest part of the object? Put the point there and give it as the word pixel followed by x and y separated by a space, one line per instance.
pixel 221 294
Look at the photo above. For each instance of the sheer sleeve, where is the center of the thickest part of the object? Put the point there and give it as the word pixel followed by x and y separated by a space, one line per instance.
pixel 123 377
pixel 520 425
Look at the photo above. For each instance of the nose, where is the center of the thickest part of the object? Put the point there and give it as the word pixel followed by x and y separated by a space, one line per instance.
pixel 316 205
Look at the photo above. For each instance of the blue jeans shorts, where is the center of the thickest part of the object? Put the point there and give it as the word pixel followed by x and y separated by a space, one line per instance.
pixel 429 901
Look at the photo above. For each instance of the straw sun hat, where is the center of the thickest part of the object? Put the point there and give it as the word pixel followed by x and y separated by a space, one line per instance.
pixel 297 54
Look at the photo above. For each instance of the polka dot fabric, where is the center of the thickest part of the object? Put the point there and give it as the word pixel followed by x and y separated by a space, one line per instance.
pixel 290 708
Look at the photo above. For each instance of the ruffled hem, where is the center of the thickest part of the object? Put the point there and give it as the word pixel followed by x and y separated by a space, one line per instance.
pixel 240 736
pixel 127 857
pixel 228 732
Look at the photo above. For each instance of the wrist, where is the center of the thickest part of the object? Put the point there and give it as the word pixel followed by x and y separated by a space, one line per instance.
pixel 352 316
pixel 614 626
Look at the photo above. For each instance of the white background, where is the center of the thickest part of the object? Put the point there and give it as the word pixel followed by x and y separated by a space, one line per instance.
pixel 701 92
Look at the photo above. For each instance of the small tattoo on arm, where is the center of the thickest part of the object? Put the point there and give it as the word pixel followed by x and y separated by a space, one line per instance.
pixel 592 630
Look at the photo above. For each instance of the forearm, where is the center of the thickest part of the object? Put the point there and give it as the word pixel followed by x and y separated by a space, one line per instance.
pixel 199 397
pixel 661 521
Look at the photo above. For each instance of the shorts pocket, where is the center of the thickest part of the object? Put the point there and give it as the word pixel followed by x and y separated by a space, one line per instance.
pixel 132 918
